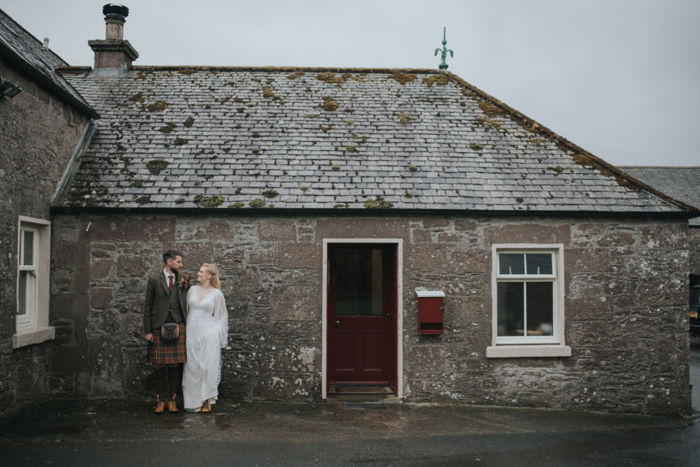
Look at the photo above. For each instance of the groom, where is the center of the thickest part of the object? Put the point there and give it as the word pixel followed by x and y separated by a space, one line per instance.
pixel 166 302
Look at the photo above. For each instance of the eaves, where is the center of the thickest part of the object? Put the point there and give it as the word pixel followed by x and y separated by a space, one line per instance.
pixel 373 212
pixel 18 61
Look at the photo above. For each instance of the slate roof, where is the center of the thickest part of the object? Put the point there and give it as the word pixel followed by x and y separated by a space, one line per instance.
pixel 683 183
pixel 25 51
pixel 178 137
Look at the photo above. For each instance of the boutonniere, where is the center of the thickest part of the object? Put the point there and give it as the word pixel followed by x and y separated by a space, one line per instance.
pixel 183 282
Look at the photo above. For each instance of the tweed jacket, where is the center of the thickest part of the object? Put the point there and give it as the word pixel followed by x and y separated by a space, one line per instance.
pixel 158 302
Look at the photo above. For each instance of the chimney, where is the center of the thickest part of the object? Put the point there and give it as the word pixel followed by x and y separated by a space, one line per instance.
pixel 113 56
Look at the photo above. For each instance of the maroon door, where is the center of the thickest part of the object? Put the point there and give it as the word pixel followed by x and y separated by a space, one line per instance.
pixel 362 314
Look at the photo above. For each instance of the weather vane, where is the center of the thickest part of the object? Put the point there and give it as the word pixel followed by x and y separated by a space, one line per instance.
pixel 443 65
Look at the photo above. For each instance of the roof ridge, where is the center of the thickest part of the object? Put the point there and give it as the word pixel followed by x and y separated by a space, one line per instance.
pixel 268 69
pixel 580 156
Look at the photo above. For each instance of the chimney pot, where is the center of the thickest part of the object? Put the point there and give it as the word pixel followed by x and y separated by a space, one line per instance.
pixel 115 17
pixel 116 9
pixel 46 44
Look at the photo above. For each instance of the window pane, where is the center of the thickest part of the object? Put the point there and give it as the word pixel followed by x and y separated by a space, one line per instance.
pixel 28 248
pixel 22 292
pixel 512 263
pixel 695 297
pixel 539 264
pixel 376 282
pixel 510 308
pixel 540 311
pixel 359 282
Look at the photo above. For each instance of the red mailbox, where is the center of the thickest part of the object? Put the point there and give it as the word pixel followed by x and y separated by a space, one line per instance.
pixel 431 309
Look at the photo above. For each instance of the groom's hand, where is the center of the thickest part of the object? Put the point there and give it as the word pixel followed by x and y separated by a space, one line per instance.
pixel 149 337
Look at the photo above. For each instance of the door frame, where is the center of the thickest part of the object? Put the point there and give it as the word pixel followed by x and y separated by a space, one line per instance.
pixel 399 308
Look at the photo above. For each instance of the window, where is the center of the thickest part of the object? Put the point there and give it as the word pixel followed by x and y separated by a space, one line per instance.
pixel 528 301
pixel 359 283
pixel 27 287
pixel 33 262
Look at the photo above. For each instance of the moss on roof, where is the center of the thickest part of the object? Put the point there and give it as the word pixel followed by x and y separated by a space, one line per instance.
pixel 398 119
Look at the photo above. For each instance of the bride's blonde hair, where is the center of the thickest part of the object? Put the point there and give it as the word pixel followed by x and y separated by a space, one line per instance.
pixel 214 271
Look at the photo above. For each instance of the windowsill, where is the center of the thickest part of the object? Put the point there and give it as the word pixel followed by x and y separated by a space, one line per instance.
pixel 525 351
pixel 31 336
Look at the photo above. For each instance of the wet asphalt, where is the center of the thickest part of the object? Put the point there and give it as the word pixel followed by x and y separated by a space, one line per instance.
pixel 126 433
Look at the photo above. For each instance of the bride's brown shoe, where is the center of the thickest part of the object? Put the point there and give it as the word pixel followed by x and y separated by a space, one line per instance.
pixel 206 408
pixel 172 406
pixel 160 407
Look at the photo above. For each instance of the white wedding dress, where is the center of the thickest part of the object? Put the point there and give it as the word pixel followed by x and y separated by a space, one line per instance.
pixel 207 334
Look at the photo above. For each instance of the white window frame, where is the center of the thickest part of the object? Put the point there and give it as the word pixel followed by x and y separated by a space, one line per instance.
pixel 35 328
pixel 529 346
pixel 29 319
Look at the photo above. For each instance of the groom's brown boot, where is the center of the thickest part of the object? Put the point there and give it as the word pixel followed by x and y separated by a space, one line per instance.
pixel 160 407
pixel 172 406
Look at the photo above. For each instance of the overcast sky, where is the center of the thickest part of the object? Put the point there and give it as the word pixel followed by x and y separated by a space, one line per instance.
pixel 620 78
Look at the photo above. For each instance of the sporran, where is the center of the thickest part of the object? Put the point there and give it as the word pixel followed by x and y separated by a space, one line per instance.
pixel 170 332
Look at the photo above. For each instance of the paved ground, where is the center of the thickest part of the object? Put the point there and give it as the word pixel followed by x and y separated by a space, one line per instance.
pixel 121 433
pixel 89 433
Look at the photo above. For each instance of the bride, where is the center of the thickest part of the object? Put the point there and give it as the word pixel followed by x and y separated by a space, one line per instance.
pixel 207 334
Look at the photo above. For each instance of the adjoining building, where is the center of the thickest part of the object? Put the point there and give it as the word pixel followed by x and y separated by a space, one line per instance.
pixel 43 123
pixel 393 228
pixel 683 183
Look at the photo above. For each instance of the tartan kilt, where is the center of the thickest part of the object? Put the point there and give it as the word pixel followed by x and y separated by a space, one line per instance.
pixel 163 353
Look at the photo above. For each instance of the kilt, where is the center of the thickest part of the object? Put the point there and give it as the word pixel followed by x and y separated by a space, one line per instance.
pixel 163 353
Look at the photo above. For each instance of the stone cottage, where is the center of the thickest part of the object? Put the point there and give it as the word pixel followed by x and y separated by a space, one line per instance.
pixel 41 128
pixel 398 229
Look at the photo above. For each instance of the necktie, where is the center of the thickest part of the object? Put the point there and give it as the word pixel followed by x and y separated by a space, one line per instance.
pixel 171 283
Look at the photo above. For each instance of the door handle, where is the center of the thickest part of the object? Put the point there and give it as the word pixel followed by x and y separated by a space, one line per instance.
pixel 389 315
pixel 337 323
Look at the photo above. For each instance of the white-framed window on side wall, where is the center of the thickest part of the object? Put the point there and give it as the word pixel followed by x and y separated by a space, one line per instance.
pixel 28 270
pixel 33 269
pixel 528 301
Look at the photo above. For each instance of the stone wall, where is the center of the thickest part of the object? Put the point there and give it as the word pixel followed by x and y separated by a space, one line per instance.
pixel 625 319
pixel 694 246
pixel 38 136
pixel 625 286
